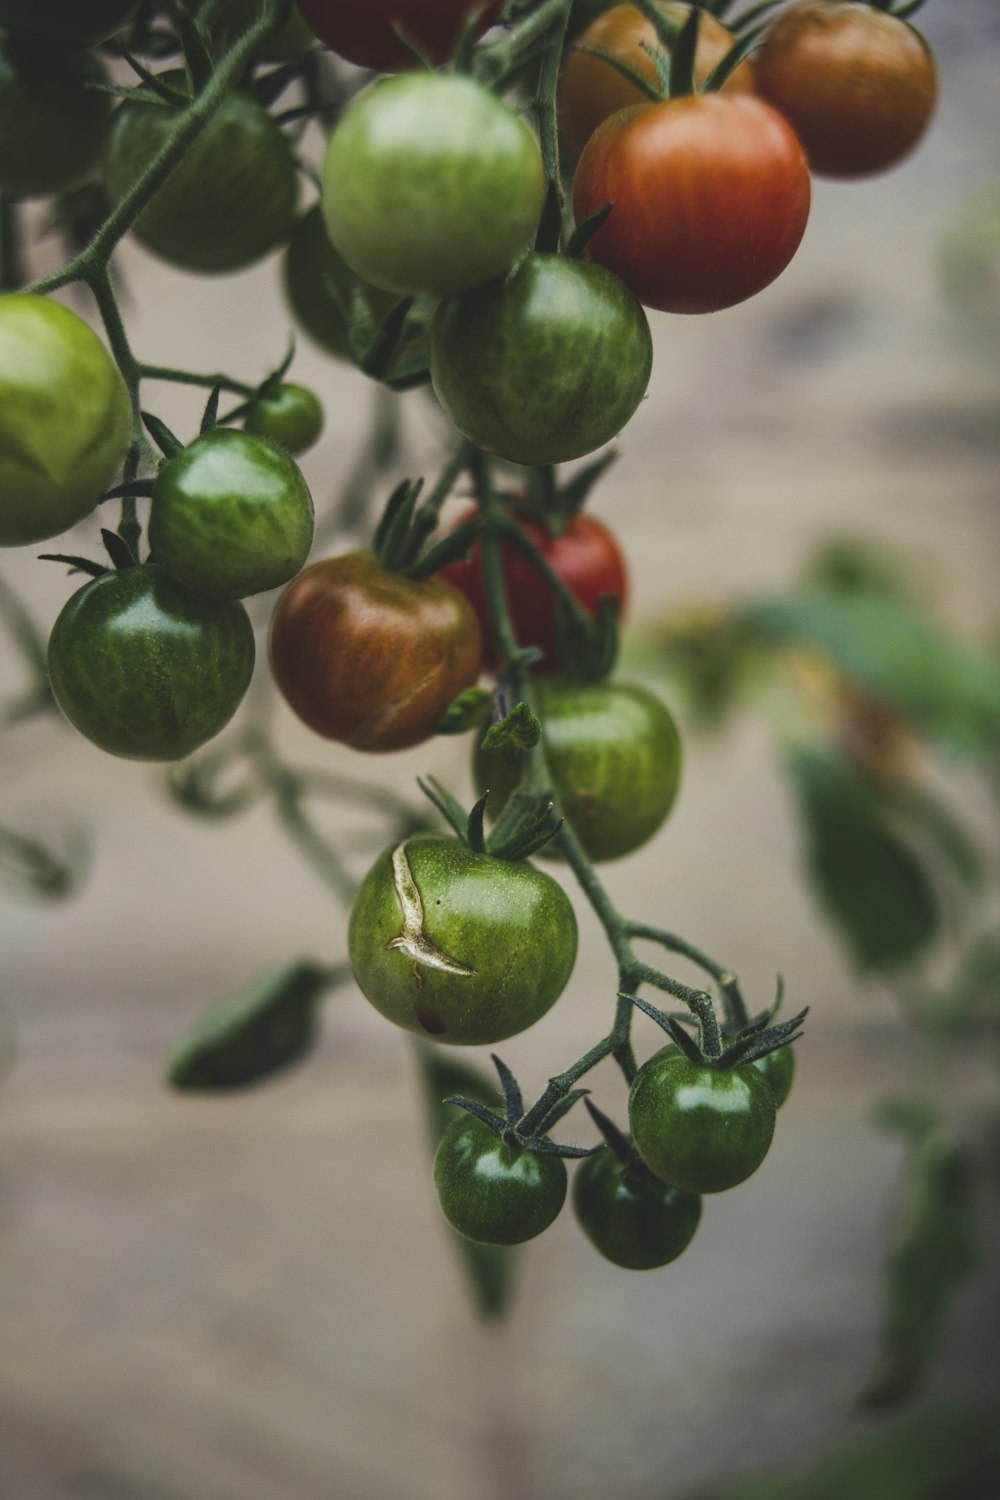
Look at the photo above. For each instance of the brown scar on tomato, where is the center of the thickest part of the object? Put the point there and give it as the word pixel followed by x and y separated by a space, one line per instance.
pixel 412 940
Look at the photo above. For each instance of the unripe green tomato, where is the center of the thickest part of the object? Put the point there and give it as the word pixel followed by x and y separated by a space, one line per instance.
pixel 310 267
pixel 290 415
pixel 53 120
pixel 779 1070
pixel 231 516
pixel 634 1221
pixel 144 668
pixel 493 1193
pixel 615 758
pixel 232 18
pixel 65 23
pixel 544 366
pixel 458 946
pixel 700 1128
pixel 431 184
pixel 232 198
pixel 65 419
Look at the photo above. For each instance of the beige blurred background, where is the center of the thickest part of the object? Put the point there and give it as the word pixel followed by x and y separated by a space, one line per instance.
pixel 254 1298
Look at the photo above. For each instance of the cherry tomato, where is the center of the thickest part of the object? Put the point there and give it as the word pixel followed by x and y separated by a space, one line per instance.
pixel 584 554
pixel 710 195
pixel 370 658
pixel 544 366
pixel 231 516
pixel 615 759
pixel 590 90
pixel 700 1128
pixel 493 1193
pixel 65 419
pixel 858 85
pixel 231 200
pixel 54 121
pixel 633 1220
pixel 65 23
pixel 309 268
pixel 431 184
pixel 290 415
pixel 364 31
pixel 458 946
pixel 779 1070
pixel 144 668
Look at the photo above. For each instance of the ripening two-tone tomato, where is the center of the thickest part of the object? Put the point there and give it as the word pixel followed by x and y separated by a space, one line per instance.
pixel 364 31
pixel 493 1193
pixel 65 23
pixel 633 1220
pixel 54 119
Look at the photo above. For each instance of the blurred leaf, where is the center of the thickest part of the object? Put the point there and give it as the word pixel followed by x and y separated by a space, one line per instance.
pixel 855 565
pixel 31 869
pixel 968 1009
pixel 930 816
pixel 707 653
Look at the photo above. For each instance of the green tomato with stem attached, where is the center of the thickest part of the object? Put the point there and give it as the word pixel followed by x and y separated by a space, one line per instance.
pixel 779 1070
pixel 493 1193
pixel 54 119
pixel 631 1218
pixel 289 415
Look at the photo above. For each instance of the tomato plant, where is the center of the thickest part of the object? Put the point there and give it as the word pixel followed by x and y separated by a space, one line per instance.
pixel 494 1193
pixel 364 31
pixel 314 274
pixel 54 119
pixel 65 23
pixel 289 415
pixel 631 1218
pixel 230 18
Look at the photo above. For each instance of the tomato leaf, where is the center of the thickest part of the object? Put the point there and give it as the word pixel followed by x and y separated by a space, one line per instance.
pixel 165 440
pixel 469 710
pixel 513 1101
pixel 30 867
pixel 519 729
pixel 584 233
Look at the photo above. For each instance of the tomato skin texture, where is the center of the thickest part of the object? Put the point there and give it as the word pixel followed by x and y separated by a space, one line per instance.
pixel 65 419
pixel 779 1070
pixel 700 1128
pixel 363 30
pixel 231 516
pixel 430 184
pixel 65 23
pixel 370 658
pixel 498 941
pixel 145 669
pixel 232 199
pixel 633 1221
pixel 590 90
pixel 615 758
pixel 544 366
pixel 587 558
pixel 858 86
pixel 290 416
pixel 309 266
pixel 53 121
pixel 492 1193
pixel 711 197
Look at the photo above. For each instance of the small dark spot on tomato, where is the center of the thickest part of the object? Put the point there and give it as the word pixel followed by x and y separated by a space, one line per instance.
pixel 431 1023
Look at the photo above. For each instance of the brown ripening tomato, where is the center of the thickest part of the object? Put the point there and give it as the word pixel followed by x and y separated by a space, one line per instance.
pixel 371 658
pixel 590 90
pixel 858 85
pixel 364 32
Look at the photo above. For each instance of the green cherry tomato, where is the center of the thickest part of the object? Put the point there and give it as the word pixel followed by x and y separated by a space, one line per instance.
pixel 290 415
pixel 310 267
pixel 615 759
pixel 144 668
pixel 231 516
pixel 493 1193
pixel 458 946
pixel 779 1070
pixel 54 120
pixel 231 200
pixel 65 419
pixel 700 1128
pixel 634 1220
pixel 431 184
pixel 544 366
pixel 65 23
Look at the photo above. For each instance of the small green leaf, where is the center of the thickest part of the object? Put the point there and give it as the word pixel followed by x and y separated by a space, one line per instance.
pixel 519 730
pixel 469 710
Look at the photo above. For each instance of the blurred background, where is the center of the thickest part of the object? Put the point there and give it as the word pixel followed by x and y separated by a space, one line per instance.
pixel 253 1297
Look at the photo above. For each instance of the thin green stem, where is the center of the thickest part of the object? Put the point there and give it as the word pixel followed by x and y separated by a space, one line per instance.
pixel 737 1015
pixel 98 278
pixel 546 105
pixel 192 377
pixel 495 61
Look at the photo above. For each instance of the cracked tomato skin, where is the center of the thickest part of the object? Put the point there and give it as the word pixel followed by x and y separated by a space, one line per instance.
pixel 633 1221
pixel 65 23
pixel 363 31
pixel 370 658
pixel 460 947
pixel 493 1193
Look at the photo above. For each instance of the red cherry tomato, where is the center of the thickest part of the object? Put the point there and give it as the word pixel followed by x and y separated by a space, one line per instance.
pixel 363 30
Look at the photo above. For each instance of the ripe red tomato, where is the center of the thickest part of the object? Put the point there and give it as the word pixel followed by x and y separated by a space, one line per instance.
pixel 710 194
pixel 363 30
pixel 858 85
pixel 587 559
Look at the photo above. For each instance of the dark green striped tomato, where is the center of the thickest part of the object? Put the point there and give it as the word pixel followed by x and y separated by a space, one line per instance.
pixel 697 1127
pixel 779 1070
pixel 231 516
pixel 544 366
pixel 144 668
pixel 634 1220
pixel 458 946
pixel 290 415
pixel 311 267
pixel 54 120
pixel 231 200
pixel 65 23
pixel 65 419
pixel 431 184
pixel 493 1193
pixel 615 759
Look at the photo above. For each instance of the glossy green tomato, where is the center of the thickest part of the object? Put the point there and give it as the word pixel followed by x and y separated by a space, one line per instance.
pixel 291 416
pixel 65 23
pixel 700 1128
pixel 431 184
pixel 779 1070
pixel 544 366
pixel 615 758
pixel 634 1220
pixel 144 668
pixel 493 1193
pixel 65 419
pixel 310 267
pixel 458 946
pixel 232 516
pixel 54 120
pixel 231 200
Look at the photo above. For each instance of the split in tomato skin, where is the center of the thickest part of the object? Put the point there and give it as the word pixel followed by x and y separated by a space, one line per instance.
pixel 630 1218
pixel 71 24
pixel 54 118
pixel 364 31
pixel 493 1193
pixel 290 415
pixel 144 668
pixel 459 947
pixel 370 658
